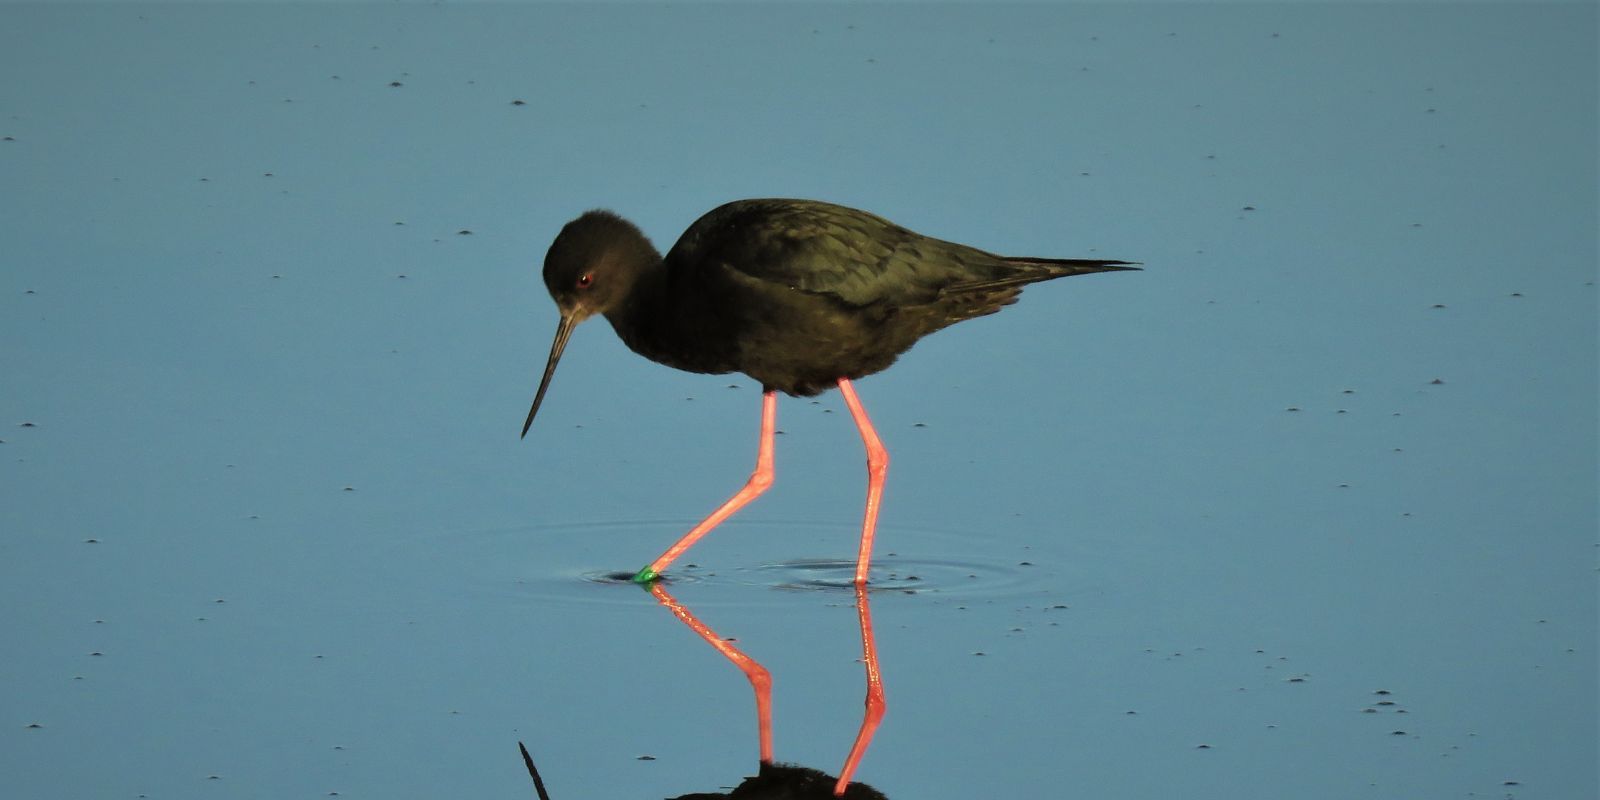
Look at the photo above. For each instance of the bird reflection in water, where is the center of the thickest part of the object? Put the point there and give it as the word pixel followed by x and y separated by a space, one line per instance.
pixel 777 781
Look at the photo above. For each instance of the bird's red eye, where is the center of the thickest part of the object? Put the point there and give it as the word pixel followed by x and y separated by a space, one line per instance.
pixel 585 279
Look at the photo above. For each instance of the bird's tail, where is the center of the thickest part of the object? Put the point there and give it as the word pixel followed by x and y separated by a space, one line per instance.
pixel 1033 270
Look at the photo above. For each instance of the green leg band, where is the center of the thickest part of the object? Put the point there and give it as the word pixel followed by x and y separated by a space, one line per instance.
pixel 646 575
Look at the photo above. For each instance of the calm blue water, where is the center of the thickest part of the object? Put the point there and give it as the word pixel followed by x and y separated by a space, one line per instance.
pixel 1305 509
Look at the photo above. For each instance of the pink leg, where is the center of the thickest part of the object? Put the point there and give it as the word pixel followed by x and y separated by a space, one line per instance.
pixel 758 483
pixel 877 469
pixel 875 702
pixel 760 679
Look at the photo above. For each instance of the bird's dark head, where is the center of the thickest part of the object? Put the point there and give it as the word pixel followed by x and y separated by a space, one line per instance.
pixel 591 268
pixel 593 263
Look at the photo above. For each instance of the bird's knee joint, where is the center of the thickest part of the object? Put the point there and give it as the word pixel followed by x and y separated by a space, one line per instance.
pixel 877 706
pixel 760 678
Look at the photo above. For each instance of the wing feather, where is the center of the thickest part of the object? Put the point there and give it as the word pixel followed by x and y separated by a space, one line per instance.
pixel 858 258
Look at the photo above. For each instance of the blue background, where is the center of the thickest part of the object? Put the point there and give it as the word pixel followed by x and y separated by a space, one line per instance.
pixel 267 530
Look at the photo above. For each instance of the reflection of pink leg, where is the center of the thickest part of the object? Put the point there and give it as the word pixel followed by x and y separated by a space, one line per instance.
pixel 875 703
pixel 758 483
pixel 877 469
pixel 760 679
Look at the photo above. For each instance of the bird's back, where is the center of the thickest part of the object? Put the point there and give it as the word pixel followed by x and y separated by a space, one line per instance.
pixel 807 245
pixel 815 291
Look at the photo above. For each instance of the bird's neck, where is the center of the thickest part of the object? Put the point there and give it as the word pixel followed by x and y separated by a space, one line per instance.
pixel 669 324
pixel 640 317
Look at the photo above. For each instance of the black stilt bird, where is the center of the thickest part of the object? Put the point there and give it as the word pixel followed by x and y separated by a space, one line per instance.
pixel 800 295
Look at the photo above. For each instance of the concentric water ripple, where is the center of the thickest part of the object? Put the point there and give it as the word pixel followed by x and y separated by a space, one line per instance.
pixel 566 564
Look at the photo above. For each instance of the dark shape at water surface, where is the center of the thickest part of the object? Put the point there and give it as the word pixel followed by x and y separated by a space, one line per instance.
pixel 616 577
pixel 800 295
pixel 773 782
pixel 788 782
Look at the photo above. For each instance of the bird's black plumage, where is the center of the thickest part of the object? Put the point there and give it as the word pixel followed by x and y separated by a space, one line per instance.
pixel 794 293
pixel 774 781
pixel 788 782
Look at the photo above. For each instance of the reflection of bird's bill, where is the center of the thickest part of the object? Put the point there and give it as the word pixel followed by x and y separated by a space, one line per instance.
pixel 538 785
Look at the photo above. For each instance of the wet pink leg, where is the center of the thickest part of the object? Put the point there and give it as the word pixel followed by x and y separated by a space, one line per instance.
pixel 877 469
pixel 758 483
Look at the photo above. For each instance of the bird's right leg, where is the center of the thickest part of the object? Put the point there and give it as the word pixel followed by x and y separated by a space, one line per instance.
pixel 877 470
pixel 758 483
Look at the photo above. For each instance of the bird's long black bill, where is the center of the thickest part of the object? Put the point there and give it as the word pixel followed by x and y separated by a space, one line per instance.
pixel 563 330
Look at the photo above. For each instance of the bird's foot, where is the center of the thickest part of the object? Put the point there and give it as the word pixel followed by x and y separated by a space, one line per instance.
pixel 646 575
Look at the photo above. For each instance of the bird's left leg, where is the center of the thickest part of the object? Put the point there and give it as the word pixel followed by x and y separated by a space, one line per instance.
pixel 760 479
